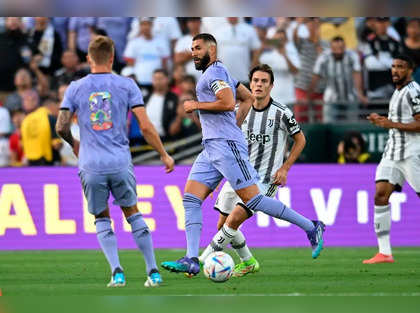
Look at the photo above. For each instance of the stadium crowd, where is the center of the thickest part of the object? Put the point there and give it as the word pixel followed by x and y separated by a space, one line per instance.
pixel 325 69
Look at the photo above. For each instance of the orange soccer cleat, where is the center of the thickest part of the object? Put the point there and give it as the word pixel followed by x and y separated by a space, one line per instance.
pixel 379 258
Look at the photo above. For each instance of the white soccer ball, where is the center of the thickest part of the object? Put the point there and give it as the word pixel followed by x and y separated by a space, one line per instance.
pixel 218 267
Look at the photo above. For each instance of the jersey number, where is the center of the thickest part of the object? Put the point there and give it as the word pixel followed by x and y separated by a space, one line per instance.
pixel 100 110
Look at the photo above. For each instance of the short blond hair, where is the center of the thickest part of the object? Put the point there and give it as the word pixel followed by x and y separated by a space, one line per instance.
pixel 101 49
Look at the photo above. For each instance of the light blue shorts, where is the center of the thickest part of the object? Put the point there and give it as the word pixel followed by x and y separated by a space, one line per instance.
pixel 96 188
pixel 223 158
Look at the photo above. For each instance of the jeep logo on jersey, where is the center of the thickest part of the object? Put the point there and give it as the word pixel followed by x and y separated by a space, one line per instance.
pixel 260 138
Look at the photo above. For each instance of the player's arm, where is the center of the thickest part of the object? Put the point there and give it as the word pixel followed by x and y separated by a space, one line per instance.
pixel 63 129
pixel 384 122
pixel 152 137
pixel 246 99
pixel 225 101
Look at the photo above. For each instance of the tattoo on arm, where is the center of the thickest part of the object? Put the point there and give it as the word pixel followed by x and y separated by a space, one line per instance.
pixel 63 126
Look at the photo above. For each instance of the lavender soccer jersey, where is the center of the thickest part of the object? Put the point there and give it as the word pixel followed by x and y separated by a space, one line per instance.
pixel 217 125
pixel 101 102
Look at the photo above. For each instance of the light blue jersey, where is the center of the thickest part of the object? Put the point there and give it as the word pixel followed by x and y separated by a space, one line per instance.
pixel 101 102
pixel 217 125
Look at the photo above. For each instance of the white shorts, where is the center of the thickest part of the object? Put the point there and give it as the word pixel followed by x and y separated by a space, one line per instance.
pixel 227 199
pixel 397 172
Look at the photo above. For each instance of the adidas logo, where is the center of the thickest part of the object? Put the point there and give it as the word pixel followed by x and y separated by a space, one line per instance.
pixel 239 181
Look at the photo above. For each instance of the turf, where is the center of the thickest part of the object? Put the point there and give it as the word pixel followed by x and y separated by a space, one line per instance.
pixel 338 271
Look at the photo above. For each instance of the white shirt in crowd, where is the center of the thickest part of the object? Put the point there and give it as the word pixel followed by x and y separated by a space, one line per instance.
pixel 4 142
pixel 147 55
pixel 235 44
pixel 154 110
pixel 283 90
pixel 184 44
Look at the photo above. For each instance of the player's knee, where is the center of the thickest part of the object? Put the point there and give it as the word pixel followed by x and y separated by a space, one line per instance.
pixel 381 197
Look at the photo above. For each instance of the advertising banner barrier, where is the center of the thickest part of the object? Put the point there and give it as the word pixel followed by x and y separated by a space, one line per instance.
pixel 44 208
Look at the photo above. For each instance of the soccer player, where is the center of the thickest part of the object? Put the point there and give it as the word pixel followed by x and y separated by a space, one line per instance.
pixel 225 154
pixel 401 158
pixel 266 128
pixel 101 101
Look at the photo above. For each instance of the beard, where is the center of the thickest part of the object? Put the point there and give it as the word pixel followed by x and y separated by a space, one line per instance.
pixel 400 81
pixel 200 66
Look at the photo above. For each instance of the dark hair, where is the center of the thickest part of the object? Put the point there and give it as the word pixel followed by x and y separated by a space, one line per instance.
pixel 262 68
pixel 405 58
pixel 205 37
pixel 189 78
pixel 349 144
pixel 162 71
pixel 337 38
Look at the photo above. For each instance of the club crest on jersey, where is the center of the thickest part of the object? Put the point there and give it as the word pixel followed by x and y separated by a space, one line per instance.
pixel 260 138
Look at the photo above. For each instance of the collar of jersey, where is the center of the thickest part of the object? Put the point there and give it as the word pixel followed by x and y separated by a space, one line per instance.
pixel 266 107
pixel 210 65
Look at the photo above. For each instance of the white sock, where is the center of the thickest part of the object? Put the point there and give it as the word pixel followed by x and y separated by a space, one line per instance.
pixel 239 244
pixel 219 242
pixel 382 228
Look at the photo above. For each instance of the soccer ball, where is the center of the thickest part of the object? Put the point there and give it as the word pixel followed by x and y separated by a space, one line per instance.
pixel 218 267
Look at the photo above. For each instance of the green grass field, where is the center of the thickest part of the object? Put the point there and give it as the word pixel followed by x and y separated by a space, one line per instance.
pixel 338 271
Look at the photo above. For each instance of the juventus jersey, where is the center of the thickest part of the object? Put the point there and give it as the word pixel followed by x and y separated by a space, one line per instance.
pixel 266 132
pixel 404 104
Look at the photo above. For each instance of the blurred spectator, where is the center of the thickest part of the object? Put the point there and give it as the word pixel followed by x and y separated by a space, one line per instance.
pixel 146 53
pixel 178 75
pixel 80 30
pixel 30 101
pixel 284 60
pixel 185 124
pixel 379 53
pixel 4 132
pixel 188 84
pixel 352 149
pixel 263 22
pixel 118 29
pixel 162 104
pixel 14 52
pixel 66 152
pixel 342 71
pixel 183 47
pixel 340 27
pixel 167 29
pixel 46 42
pixel 15 140
pixel 23 82
pixel 309 49
pixel 237 44
pixel 71 70
pixel 411 45
pixel 39 138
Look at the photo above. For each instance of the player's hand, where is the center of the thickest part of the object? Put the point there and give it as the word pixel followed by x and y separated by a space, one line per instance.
pixel 190 106
pixel 169 163
pixel 76 146
pixel 280 177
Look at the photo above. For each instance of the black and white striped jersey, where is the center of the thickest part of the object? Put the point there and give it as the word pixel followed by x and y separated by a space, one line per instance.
pixel 404 104
pixel 266 132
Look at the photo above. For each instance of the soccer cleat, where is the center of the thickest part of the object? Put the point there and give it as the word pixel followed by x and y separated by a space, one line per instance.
pixel 117 278
pixel 183 265
pixel 154 279
pixel 379 258
pixel 250 266
pixel 316 238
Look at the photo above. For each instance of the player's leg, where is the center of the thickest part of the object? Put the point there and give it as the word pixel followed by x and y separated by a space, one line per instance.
pixel 96 191
pixel 225 203
pixel 389 177
pixel 202 180
pixel 123 187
